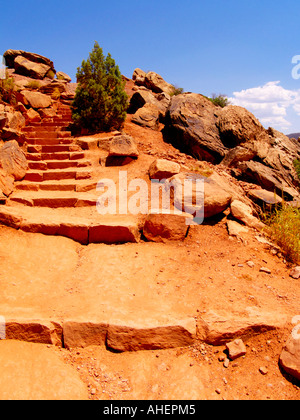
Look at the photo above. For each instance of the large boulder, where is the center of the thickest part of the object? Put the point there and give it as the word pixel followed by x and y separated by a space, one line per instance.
pixel 157 84
pixel 164 226
pixel 139 77
pixel 60 75
pixel 152 81
pixel 30 68
pixel 244 213
pixel 205 201
pixel 191 127
pixel 163 169
pixel 237 125
pixel 143 96
pixel 147 116
pixel 29 64
pixel 13 160
pixel 35 99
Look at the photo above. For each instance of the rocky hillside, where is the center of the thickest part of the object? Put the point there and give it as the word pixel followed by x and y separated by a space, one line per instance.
pixel 233 284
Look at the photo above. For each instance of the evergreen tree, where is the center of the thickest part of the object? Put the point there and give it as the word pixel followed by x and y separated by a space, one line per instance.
pixel 100 101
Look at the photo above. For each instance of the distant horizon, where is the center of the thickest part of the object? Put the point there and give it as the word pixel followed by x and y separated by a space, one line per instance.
pixel 247 51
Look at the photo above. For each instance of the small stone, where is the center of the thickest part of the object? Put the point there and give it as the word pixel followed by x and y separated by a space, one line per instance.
pixel 236 349
pixel 295 273
pixel 218 391
pixel 226 363
pixel 250 264
pixel 263 370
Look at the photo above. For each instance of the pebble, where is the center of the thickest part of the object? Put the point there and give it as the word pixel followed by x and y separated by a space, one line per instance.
pixel 263 370
pixel 295 273
pixel 226 363
pixel 250 264
pixel 265 270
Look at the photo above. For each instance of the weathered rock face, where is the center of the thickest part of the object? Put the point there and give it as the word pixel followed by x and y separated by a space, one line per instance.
pixel 268 178
pixel 265 199
pixel 29 64
pixel 191 126
pixel 13 160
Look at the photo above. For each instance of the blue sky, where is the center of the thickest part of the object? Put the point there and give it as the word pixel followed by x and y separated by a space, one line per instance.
pixel 240 48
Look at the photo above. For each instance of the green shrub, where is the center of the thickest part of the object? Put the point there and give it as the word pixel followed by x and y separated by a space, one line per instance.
pixel 297 167
pixel 100 101
pixel 284 229
pixel 33 84
pixel 176 90
pixel 219 100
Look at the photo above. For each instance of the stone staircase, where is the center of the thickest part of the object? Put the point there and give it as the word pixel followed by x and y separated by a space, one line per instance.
pixel 58 195
pixel 53 156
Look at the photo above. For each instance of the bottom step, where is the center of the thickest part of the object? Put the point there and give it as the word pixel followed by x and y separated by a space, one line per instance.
pixel 112 230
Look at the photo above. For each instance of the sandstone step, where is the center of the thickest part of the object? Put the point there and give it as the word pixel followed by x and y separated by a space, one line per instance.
pixel 55 175
pixel 83 229
pixel 51 156
pixel 38 141
pixel 53 148
pixel 38 128
pixel 52 199
pixel 41 134
pixel 57 164
pixel 65 185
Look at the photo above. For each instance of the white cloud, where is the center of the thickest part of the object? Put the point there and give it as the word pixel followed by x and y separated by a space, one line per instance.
pixel 270 103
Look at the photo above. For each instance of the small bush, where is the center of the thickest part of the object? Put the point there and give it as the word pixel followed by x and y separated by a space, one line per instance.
pixel 56 94
pixel 284 229
pixel 176 90
pixel 7 90
pixel 33 84
pixel 219 100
